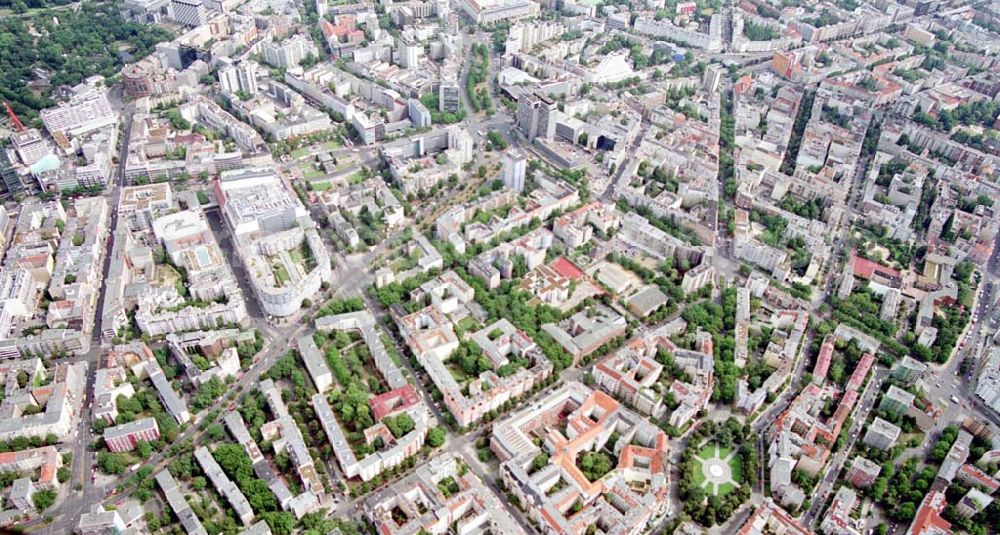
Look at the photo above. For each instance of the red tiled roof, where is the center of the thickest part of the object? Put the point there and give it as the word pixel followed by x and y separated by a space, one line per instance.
pixel 976 475
pixel 823 360
pixel 393 401
pixel 865 269
pixel 928 519
pixel 860 371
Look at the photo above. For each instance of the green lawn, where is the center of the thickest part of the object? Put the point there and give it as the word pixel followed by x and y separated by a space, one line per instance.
pixel 298 153
pixel 329 145
pixel 309 171
pixel 320 186
pixel 467 324
pixel 280 273
pixel 707 452
pixel 458 373
pixel 699 477
pixel 736 465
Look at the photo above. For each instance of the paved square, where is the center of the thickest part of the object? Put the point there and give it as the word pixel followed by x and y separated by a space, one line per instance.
pixel 719 469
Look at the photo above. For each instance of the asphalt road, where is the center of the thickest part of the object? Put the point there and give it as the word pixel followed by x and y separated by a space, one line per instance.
pixel 76 502
pixel 858 417
pixel 352 277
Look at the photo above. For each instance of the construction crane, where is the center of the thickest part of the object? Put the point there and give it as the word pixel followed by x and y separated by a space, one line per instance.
pixel 18 125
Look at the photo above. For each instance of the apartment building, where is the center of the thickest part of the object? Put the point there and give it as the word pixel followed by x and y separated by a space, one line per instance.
pixel 426 508
pixel 402 397
pixel 109 383
pixel 292 441
pixel 178 503
pixel 568 422
pixel 44 461
pixel 126 437
pixel 315 362
pixel 881 434
pixel 290 52
pixel 517 366
pixel 838 519
pixel 771 518
pixel 55 406
pixel 224 485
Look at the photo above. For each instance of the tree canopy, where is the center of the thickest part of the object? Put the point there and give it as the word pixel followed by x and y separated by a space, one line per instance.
pixel 81 44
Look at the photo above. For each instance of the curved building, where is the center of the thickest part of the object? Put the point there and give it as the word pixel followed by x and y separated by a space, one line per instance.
pixel 275 238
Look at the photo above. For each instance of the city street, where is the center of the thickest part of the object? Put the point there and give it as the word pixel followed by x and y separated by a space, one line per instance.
pixel 673 156
pixel 857 420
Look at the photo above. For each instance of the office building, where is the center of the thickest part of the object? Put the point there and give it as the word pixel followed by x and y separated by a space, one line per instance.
pixel 14 177
pixel 419 115
pixel 85 111
pixel 488 12
pixel 712 79
pixel 896 400
pixel 290 52
pixel 449 95
pixel 190 13
pixel 881 434
pixel 145 11
pixel 536 116
pixel 240 76
pixel 100 522
pixel 515 166
pixel 862 472
pixel 29 145
pixel 268 224
pixel 909 370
